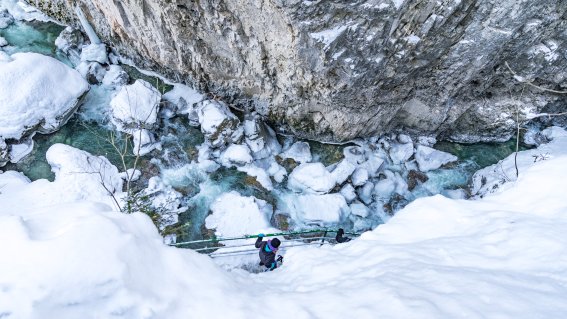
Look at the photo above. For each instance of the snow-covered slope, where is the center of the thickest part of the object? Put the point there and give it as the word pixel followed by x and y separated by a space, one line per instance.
pixel 503 256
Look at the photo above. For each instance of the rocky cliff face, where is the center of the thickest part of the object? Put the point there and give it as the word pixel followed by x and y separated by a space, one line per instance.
pixel 335 70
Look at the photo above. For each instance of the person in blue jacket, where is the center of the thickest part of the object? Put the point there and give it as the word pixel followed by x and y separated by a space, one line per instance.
pixel 268 251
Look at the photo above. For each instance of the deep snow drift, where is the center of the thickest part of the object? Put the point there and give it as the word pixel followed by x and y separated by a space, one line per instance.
pixel 503 256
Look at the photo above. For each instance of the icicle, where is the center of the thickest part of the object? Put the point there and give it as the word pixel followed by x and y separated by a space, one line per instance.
pixel 87 26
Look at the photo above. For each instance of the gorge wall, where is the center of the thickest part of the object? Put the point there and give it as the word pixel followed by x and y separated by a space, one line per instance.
pixel 335 70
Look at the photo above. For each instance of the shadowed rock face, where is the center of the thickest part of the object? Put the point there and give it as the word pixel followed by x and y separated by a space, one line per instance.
pixel 335 70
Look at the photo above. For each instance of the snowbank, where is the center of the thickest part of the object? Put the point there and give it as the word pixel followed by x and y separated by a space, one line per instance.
pixel 37 92
pixel 500 257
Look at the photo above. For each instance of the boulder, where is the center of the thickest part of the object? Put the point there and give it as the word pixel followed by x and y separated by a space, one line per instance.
pixel 327 209
pixel 218 124
pixel 299 152
pixel 429 158
pixel 311 178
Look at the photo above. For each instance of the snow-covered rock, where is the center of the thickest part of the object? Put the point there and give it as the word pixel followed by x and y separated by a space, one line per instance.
pixel 236 215
pixel 327 209
pixel 343 171
pixel 299 152
pixel 164 200
pixel 94 53
pixel 5 19
pixel 384 188
pixel 429 158
pixel 236 155
pixel 115 77
pixel 186 99
pixel 311 178
pixel 373 165
pixel 400 153
pixel 144 141
pixel 404 139
pixel 359 209
pixel 259 173
pixel 359 176
pixel 70 41
pixel 348 192
pixel 3 42
pixel 218 124
pixel 131 174
pixel 135 106
pixel 365 192
pixel 354 154
pixel 277 171
pixel 427 140
pixel 37 93
pixel 82 176
pixel 4 152
pixel 21 149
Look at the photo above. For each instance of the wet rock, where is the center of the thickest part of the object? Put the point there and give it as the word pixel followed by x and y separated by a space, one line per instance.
pixel 281 221
pixel 415 178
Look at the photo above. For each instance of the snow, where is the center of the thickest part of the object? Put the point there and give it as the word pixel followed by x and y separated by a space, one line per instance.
pixel 135 104
pixel 115 76
pixel 429 159
pixel 3 42
pixel 311 178
pixel 327 209
pixel 260 174
pixel 299 152
pixel 400 153
pixel 236 155
pixel 22 11
pixel 236 215
pixel 329 36
pixel 359 176
pixel 94 53
pixel 500 257
pixel 493 178
pixel 36 91
pixel 342 171
pixel 185 97
pixel 217 122
pixel 348 192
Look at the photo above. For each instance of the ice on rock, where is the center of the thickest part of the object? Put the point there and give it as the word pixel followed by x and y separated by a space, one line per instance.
pixel 93 72
pixel 384 188
pixel 311 178
pixel 115 77
pixel 359 176
pixel 359 209
pixel 400 153
pixel 5 19
pixel 354 154
pixel 327 209
pixel 373 165
pixel 404 139
pixel 218 124
pixel 299 152
pixel 3 42
pixel 236 155
pixel 94 53
pixel 365 192
pixel 21 149
pixel 348 192
pixel 427 140
pixel 343 171
pixel 70 41
pixel 144 141
pixel 429 158
pixel 135 106
pixel 236 215
pixel 4 152
pixel 259 173
pixel 37 93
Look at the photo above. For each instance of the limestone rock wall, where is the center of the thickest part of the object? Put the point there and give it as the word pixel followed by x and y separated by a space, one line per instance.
pixel 334 70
